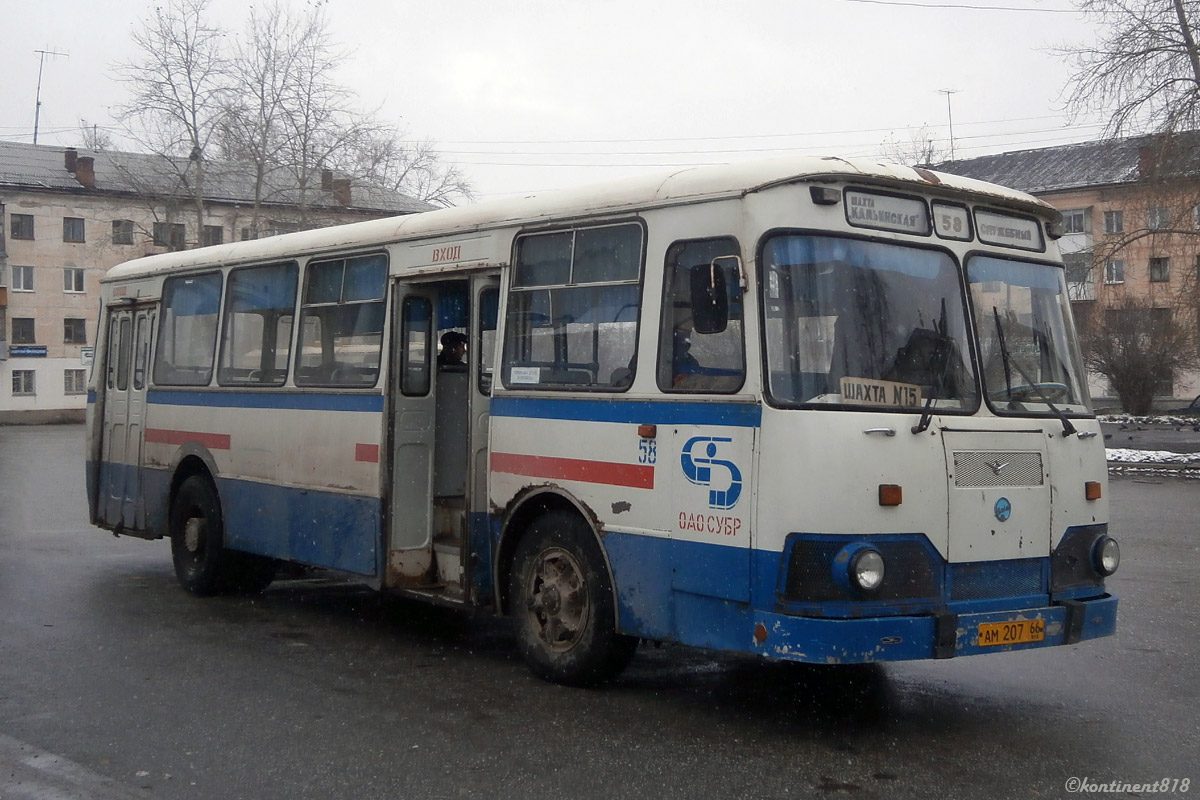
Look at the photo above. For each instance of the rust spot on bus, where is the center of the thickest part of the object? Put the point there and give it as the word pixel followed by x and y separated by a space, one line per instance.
pixel 928 176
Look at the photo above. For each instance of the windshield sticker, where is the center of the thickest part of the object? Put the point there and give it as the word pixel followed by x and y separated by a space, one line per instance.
pixel 869 392
pixel 887 213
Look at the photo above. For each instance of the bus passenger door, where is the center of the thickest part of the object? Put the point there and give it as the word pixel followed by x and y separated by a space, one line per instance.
pixel 126 366
pixel 409 551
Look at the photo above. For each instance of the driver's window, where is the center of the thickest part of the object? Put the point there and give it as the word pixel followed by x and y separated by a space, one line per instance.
pixel 690 361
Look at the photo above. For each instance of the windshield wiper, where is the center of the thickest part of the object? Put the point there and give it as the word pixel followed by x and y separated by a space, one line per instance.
pixel 1068 428
pixel 941 352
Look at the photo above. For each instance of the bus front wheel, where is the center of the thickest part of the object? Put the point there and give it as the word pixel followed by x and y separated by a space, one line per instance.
pixel 202 564
pixel 562 603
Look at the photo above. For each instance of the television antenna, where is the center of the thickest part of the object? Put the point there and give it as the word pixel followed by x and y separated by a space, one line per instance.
pixel 37 110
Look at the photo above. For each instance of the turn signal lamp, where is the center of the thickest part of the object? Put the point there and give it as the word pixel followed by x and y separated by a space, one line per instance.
pixel 1091 490
pixel 890 494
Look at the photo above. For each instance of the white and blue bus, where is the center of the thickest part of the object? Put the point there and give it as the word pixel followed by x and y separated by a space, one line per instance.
pixel 819 410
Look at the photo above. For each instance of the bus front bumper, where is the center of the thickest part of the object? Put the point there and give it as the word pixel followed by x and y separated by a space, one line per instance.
pixel 856 641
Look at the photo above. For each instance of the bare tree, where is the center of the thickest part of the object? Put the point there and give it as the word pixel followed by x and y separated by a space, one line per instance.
pixel 921 149
pixel 178 86
pixel 1138 346
pixel 1144 73
pixel 265 65
pixel 93 138
pixel 385 160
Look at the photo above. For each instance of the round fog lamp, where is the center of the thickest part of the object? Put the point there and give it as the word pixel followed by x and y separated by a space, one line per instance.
pixel 1106 555
pixel 866 569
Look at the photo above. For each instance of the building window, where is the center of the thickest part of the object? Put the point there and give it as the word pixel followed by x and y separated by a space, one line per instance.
pixel 22 279
pixel 248 234
pixel 72 229
pixel 1075 220
pixel 169 234
pixel 1114 271
pixel 122 231
pixel 1160 270
pixel 22 226
pixel 74 381
pixel 74 331
pixel 1080 276
pixel 1114 221
pixel 23 383
pixel 73 279
pixel 1159 218
pixel 213 234
pixel 23 331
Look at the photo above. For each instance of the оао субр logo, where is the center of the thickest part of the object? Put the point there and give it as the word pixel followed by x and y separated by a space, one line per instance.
pixel 699 461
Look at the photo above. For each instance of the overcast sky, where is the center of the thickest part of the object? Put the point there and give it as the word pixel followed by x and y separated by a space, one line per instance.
pixel 526 95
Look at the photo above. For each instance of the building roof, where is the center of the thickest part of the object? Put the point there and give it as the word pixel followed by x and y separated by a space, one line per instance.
pixel 44 167
pixel 1107 162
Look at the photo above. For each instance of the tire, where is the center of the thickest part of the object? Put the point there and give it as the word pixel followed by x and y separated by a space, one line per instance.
pixel 561 600
pixel 202 564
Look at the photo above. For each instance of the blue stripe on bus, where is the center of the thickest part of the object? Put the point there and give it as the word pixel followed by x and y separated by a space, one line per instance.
pixel 298 401
pixel 640 412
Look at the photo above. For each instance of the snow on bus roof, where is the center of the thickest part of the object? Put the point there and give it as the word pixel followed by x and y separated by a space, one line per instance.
pixel 645 191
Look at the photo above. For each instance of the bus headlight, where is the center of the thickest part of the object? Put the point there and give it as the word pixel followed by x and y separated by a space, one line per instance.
pixel 1106 555
pixel 866 569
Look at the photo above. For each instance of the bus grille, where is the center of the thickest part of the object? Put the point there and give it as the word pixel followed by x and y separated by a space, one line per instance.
pixel 994 579
pixel 975 469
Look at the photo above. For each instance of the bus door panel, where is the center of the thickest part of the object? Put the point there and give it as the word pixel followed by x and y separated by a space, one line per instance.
pixel 414 409
pixel 110 478
pixel 133 507
pixel 485 294
pixel 711 470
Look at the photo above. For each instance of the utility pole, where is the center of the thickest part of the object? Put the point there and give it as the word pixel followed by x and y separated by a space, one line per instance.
pixel 950 115
pixel 37 110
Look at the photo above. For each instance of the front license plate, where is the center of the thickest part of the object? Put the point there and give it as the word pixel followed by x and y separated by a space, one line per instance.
pixel 1017 632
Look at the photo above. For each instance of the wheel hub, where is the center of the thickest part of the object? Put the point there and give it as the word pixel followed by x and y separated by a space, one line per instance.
pixel 193 531
pixel 558 599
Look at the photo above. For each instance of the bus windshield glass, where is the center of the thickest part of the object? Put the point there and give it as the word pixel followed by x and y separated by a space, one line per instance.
pixel 1028 352
pixel 865 324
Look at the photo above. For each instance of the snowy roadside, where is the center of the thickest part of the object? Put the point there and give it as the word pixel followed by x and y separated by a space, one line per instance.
pixel 1158 461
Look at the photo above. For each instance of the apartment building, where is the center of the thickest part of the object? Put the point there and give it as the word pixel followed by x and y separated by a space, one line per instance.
pixel 1132 226
pixel 70 214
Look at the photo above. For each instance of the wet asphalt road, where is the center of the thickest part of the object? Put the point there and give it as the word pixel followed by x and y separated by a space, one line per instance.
pixel 116 684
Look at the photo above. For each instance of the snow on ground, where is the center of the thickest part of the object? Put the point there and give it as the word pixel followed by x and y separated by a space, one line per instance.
pixel 1162 419
pixel 1126 456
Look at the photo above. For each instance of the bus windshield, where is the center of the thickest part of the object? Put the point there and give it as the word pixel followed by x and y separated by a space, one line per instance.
pixel 865 324
pixel 1028 351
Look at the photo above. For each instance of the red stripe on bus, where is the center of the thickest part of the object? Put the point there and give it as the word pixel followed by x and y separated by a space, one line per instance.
pixel 637 476
pixel 367 452
pixel 213 441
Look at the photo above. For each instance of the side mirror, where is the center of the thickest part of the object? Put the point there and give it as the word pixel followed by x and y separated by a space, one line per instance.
pixel 710 299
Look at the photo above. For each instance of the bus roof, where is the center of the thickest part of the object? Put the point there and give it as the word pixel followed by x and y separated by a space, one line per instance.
pixel 688 184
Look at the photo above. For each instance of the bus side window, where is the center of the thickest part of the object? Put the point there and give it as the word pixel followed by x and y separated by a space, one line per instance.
pixel 257 332
pixel 342 322
pixel 573 309
pixel 690 361
pixel 187 333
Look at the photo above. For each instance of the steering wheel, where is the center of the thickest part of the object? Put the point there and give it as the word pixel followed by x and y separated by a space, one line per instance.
pixel 1035 392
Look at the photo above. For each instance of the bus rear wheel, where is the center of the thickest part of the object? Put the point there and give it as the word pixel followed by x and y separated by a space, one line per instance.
pixel 561 599
pixel 202 564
